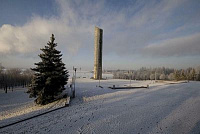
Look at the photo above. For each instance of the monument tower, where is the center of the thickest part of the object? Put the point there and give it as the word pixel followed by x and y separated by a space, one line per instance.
pixel 98 42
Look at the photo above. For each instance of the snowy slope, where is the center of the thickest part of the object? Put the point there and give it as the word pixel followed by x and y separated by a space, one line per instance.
pixel 13 99
pixel 16 105
pixel 159 109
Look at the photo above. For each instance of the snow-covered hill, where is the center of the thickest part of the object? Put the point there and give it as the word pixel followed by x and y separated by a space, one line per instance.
pixel 163 108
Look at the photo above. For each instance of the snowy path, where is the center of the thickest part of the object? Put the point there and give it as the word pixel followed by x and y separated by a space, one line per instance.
pixel 160 109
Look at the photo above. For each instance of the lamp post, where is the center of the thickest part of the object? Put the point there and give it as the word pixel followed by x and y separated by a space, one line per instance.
pixel 130 77
pixel 73 94
pixel 99 81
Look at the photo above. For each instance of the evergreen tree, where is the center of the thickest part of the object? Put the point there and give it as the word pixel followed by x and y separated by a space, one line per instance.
pixel 193 73
pixel 177 75
pixel 50 75
pixel 182 75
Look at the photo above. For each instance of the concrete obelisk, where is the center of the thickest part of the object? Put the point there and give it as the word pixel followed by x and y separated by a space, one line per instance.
pixel 98 44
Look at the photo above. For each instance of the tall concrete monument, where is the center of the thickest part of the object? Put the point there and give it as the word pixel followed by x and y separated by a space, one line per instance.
pixel 98 44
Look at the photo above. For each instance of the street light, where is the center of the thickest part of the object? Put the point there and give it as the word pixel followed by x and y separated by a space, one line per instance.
pixel 130 77
pixel 73 93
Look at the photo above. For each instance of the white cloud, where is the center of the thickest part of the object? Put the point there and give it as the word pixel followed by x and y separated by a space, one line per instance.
pixel 182 46
pixel 127 29
pixel 74 27
pixel 34 34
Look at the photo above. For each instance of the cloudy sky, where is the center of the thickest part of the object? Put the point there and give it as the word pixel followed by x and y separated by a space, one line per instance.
pixel 149 33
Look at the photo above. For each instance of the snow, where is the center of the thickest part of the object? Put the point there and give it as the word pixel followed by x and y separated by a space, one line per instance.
pixel 13 99
pixel 163 108
pixel 16 105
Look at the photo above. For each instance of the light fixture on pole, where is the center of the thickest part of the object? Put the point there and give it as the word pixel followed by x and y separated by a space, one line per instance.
pixel 73 93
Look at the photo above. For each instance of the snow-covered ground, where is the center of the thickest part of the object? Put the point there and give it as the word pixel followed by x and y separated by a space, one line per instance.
pixel 163 108
pixel 16 105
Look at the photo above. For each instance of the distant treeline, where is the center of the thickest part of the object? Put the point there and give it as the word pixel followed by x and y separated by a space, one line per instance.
pixel 10 78
pixel 158 74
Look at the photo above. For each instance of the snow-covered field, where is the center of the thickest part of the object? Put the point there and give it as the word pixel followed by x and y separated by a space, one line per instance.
pixel 163 108
pixel 15 106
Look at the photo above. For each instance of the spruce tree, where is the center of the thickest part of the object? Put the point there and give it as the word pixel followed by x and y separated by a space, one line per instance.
pixel 193 73
pixel 50 75
pixel 177 75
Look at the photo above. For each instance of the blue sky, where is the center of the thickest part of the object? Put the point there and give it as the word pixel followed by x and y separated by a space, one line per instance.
pixel 137 34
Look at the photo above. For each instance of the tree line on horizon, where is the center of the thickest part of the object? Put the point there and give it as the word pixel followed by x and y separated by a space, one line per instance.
pixel 14 77
pixel 161 73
